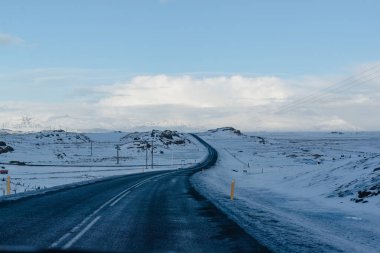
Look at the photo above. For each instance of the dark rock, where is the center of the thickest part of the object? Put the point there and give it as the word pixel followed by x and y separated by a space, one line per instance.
pixel 260 139
pixel 178 142
pixel 230 129
pixel 17 163
pixel 6 149
pixel 9 149
pixel 363 194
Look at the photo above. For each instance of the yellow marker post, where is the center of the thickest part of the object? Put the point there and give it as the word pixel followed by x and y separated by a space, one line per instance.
pixel 232 189
pixel 8 185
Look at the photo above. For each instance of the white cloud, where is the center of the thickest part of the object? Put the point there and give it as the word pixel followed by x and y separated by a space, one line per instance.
pixel 200 93
pixel 184 101
pixel 7 39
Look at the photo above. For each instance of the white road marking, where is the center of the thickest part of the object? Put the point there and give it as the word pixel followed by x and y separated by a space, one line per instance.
pixel 60 240
pixel 139 184
pixel 122 196
pixel 81 233
pixel 116 199
pixel 156 178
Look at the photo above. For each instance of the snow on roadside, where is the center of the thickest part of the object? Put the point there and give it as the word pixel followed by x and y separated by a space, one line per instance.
pixel 58 147
pixel 51 158
pixel 300 191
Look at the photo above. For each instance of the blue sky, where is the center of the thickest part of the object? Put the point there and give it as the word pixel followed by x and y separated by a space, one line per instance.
pixel 266 37
pixel 51 50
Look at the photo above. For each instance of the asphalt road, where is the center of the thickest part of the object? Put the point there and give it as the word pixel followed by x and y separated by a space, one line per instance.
pixel 147 212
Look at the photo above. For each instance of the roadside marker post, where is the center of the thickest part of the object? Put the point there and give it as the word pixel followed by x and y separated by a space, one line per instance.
pixel 8 185
pixel 232 189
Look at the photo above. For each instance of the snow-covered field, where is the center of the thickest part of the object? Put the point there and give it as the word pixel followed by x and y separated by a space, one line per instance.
pixel 52 158
pixel 295 192
pixel 299 192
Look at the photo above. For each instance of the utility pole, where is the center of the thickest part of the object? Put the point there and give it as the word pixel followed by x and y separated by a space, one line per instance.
pixel 91 147
pixel 146 155
pixel 152 154
pixel 117 153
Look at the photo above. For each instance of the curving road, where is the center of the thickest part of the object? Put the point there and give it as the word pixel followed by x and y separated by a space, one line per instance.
pixel 147 212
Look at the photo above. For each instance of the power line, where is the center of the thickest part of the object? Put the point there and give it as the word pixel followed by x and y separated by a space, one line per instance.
pixel 335 87
pixel 323 96
pixel 345 84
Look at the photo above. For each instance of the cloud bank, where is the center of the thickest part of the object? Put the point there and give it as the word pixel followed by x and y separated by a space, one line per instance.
pixel 186 102
pixel 198 93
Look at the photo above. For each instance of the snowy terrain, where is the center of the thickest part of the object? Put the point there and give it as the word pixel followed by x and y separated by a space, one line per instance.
pixel 299 192
pixel 50 158
pixel 295 192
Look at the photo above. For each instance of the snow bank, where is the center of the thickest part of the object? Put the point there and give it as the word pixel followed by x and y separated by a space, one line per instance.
pixel 299 192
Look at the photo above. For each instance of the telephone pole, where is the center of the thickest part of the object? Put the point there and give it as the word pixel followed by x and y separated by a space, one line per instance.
pixel 117 153
pixel 152 154
pixel 146 155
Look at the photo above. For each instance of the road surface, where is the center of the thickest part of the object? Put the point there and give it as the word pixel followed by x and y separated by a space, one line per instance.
pixel 147 212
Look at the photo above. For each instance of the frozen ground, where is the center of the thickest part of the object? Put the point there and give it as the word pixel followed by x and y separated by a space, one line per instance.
pixel 299 192
pixel 51 158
